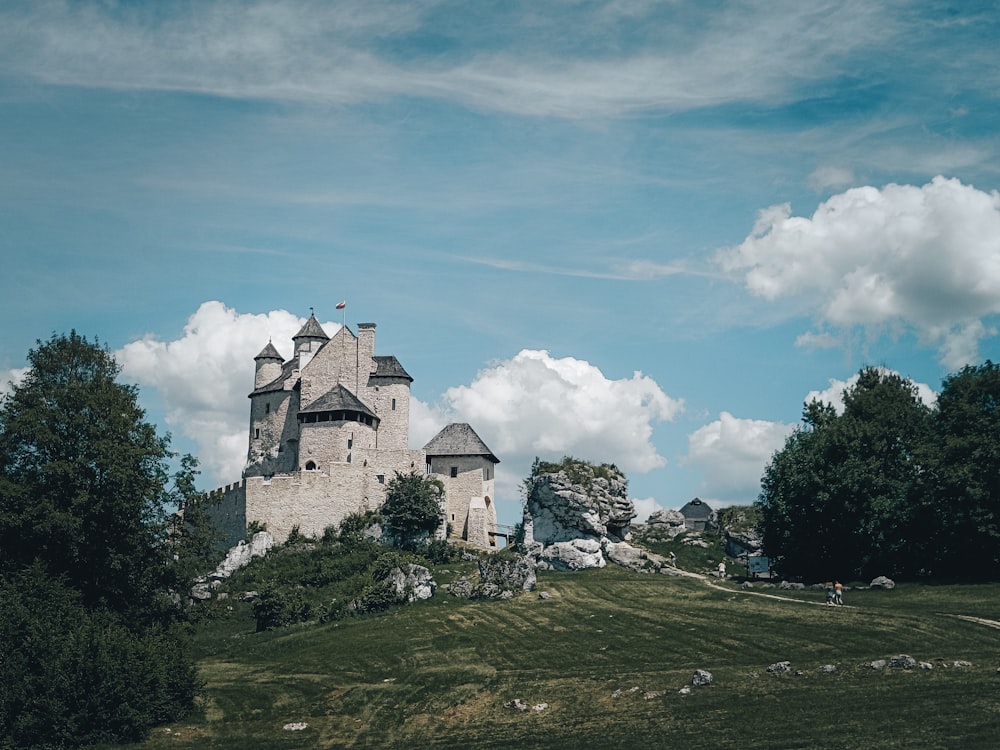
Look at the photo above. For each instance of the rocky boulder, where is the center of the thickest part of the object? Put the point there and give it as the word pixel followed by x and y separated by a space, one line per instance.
pixel 411 583
pixel 515 573
pixel 572 509
pixel 662 525
pixel 237 557
pixel 500 577
pixel 882 582
pixel 579 500
pixel 577 554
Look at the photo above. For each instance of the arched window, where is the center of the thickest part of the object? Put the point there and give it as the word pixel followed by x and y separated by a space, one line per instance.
pixel 310 466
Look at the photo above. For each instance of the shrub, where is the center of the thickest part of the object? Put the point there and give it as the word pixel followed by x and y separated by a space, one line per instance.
pixel 276 608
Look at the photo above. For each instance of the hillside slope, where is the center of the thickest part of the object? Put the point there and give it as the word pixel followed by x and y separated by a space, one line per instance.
pixel 608 655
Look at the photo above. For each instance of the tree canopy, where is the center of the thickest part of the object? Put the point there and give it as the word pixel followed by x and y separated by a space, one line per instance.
pixel 890 486
pixel 84 555
pixel 413 506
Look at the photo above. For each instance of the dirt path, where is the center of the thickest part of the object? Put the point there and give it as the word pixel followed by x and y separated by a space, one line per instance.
pixel 977 620
pixel 777 597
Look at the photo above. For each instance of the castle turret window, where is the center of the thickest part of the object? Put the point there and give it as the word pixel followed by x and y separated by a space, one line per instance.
pixel 256 433
pixel 394 404
pixel 310 466
pixel 454 471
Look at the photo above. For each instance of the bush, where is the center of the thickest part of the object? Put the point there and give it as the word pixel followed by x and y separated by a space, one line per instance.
pixel 276 608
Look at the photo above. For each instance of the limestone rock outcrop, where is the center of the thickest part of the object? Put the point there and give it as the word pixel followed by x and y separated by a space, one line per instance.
pixel 414 583
pixel 500 577
pixel 663 525
pixel 237 557
pixel 572 511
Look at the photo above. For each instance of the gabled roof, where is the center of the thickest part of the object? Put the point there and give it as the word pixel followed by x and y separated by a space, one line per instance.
pixel 388 366
pixel 311 330
pixel 459 439
pixel 696 508
pixel 338 398
pixel 269 352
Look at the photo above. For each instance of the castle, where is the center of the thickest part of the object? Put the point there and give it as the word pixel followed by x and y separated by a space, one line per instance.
pixel 329 428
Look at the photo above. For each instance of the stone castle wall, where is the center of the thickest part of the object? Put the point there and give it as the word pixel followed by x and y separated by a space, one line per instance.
pixel 311 500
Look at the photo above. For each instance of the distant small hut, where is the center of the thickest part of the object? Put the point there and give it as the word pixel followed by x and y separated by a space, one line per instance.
pixel 697 515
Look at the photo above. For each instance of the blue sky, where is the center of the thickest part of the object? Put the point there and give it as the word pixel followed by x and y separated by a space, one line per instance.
pixel 631 231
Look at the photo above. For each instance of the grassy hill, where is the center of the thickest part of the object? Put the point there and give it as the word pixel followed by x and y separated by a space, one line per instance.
pixel 608 654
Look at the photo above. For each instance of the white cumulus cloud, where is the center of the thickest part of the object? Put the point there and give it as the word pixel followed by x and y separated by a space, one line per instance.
pixel 536 405
pixel 203 378
pixel 732 454
pixel 925 259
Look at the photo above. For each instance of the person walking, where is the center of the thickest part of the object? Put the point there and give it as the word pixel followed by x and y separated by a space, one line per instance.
pixel 838 593
pixel 673 559
pixel 829 593
pixel 722 569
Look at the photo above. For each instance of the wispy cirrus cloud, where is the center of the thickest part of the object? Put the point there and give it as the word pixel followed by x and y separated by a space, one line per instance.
pixel 345 52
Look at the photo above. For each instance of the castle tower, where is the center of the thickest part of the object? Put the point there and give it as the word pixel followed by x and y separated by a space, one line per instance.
pixel 268 364
pixel 308 340
pixel 459 458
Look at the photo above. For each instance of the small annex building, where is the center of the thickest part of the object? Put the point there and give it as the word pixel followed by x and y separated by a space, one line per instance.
pixel 329 427
pixel 697 515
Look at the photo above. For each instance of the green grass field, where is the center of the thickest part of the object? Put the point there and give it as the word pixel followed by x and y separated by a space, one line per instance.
pixel 609 654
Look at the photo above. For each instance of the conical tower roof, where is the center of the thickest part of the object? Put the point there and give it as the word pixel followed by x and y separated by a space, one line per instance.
pixel 311 330
pixel 269 352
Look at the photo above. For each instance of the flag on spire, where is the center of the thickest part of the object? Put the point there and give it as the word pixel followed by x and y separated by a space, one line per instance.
pixel 341 305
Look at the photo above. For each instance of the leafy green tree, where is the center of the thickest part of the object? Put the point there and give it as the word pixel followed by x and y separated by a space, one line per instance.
pixel 836 499
pixel 92 650
pixel 412 507
pixel 959 492
pixel 82 476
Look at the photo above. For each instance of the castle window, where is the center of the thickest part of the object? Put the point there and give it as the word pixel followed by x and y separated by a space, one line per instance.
pixel 381 478
pixel 267 408
pixel 394 404
pixel 350 443
pixel 310 466
pixel 256 433
pixel 454 471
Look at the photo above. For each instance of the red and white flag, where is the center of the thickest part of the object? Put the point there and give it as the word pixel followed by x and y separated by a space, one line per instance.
pixel 341 305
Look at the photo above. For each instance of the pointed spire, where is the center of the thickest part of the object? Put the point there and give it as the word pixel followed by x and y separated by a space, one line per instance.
pixel 311 330
pixel 269 352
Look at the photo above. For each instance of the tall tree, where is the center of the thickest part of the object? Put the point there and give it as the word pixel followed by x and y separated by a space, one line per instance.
pixel 92 654
pixel 960 488
pixel 82 476
pixel 834 500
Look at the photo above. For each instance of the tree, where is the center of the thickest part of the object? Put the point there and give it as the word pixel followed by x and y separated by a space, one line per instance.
pixel 413 506
pixel 82 476
pixel 836 499
pixel 959 492
pixel 92 652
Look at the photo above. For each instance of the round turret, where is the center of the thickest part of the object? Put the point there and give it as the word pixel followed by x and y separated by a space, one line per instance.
pixel 311 336
pixel 268 364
